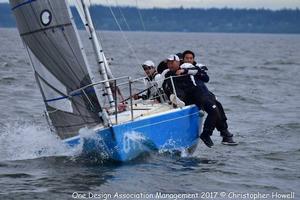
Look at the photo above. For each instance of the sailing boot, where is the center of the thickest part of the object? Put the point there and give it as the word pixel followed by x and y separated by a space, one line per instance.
pixel 205 137
pixel 228 138
pixel 176 101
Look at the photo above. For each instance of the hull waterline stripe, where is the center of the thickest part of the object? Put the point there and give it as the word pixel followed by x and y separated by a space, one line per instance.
pixel 22 4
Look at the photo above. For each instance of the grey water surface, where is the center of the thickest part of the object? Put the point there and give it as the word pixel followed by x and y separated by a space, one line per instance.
pixel 255 76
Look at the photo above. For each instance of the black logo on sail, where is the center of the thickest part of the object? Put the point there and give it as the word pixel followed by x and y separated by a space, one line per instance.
pixel 46 17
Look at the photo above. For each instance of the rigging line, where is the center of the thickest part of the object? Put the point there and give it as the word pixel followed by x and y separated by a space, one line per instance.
pixel 79 7
pixel 97 33
pixel 123 16
pixel 100 57
pixel 102 39
pixel 81 14
pixel 123 34
pixel 72 50
pixel 85 21
pixel 140 15
pixel 66 96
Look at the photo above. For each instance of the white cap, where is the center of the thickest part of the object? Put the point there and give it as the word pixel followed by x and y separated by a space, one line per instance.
pixel 149 63
pixel 173 57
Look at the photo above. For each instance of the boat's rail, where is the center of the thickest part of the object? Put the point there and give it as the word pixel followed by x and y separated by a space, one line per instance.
pixel 120 105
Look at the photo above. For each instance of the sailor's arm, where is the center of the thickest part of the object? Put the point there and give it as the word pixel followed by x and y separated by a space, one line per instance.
pixel 197 71
pixel 159 79
pixel 202 75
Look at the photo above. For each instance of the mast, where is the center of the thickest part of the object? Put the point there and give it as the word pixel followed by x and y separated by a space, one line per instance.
pixel 103 114
pixel 98 51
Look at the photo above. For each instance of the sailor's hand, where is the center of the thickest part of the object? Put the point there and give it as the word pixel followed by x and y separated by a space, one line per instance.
pixel 180 71
pixel 135 97
pixel 122 107
pixel 204 68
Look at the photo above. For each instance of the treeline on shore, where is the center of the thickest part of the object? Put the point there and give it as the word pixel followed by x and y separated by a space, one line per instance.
pixel 184 20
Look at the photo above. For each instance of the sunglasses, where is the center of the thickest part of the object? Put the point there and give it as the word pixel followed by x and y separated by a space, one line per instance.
pixel 146 67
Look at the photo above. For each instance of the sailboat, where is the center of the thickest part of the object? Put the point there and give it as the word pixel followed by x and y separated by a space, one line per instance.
pixel 77 99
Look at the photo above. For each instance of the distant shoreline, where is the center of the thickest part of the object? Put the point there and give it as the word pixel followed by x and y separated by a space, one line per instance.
pixel 174 32
pixel 198 20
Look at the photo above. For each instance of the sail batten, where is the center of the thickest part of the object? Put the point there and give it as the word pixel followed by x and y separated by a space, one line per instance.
pixel 44 29
pixel 59 62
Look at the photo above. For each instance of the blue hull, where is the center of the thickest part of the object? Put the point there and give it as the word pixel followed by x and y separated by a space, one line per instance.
pixel 170 131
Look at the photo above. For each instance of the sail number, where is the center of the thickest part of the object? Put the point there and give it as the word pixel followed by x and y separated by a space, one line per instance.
pixel 131 144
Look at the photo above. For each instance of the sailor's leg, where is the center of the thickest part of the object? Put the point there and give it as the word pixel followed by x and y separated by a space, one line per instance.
pixel 212 116
pixel 221 110
pixel 222 126
pixel 210 122
pixel 221 123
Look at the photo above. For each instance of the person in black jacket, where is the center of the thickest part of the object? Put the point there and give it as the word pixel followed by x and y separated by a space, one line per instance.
pixel 163 64
pixel 183 84
pixel 216 117
pixel 186 90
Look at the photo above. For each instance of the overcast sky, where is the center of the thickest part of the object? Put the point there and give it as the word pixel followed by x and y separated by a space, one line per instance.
pixel 272 4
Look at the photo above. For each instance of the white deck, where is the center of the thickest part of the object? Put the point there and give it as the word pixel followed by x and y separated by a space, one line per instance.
pixel 141 109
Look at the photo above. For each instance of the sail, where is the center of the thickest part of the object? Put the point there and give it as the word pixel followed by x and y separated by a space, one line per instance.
pixel 60 65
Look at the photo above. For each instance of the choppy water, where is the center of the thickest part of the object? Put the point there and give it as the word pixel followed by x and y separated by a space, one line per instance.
pixel 256 77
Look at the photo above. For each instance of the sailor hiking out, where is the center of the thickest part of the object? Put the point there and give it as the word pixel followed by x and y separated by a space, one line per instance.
pixel 189 81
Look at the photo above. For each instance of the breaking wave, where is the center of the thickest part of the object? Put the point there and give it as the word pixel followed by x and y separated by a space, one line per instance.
pixel 25 140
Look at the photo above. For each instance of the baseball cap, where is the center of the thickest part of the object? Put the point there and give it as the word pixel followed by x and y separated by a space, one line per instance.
pixel 173 57
pixel 149 63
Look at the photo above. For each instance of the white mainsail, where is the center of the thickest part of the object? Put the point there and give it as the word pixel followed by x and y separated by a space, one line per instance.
pixel 59 63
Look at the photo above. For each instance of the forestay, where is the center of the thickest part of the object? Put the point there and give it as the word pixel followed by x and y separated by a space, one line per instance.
pixel 60 65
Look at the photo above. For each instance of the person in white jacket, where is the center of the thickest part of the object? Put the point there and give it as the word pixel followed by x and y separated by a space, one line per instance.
pixel 153 82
